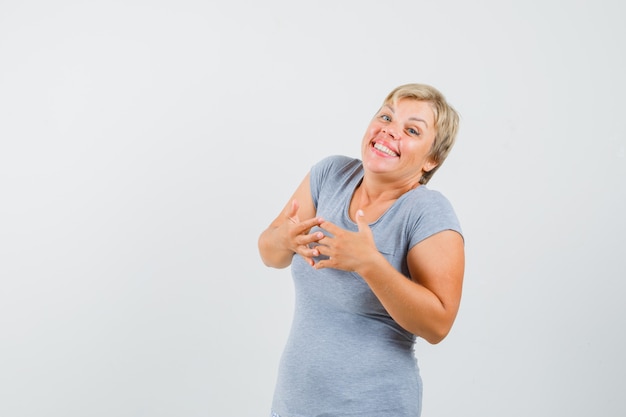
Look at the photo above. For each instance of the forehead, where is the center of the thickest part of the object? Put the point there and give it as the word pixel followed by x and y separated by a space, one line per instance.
pixel 412 108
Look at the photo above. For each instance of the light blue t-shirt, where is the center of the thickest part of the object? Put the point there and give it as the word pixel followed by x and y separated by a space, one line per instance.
pixel 345 356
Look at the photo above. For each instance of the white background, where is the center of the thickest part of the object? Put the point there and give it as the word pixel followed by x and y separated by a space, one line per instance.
pixel 144 145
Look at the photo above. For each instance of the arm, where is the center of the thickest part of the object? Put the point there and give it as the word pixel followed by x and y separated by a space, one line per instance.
pixel 288 233
pixel 427 304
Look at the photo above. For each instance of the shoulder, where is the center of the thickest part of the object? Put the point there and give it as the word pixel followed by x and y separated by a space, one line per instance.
pixel 430 212
pixel 430 200
pixel 333 175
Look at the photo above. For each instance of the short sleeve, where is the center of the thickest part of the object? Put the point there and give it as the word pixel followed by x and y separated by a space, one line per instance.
pixel 434 214
pixel 325 171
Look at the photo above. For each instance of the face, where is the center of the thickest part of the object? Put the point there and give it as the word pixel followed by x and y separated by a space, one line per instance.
pixel 398 141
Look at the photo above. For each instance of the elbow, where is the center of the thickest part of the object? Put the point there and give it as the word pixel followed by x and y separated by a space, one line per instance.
pixel 270 257
pixel 436 334
pixel 272 253
pixel 433 331
pixel 431 334
pixel 274 263
pixel 439 327
pixel 265 252
pixel 435 338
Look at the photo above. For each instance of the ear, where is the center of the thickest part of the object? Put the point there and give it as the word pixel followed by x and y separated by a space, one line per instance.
pixel 429 165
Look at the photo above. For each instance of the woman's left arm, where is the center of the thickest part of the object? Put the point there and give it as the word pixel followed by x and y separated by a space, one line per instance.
pixel 437 266
pixel 427 304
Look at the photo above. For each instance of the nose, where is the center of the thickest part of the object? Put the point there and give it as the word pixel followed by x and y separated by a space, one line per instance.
pixel 389 130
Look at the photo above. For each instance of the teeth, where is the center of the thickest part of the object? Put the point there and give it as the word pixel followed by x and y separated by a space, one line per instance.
pixel 385 149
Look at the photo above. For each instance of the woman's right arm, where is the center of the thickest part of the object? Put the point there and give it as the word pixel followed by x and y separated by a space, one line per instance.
pixel 288 233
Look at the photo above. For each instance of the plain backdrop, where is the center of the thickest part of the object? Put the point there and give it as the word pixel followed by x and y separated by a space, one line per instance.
pixel 144 145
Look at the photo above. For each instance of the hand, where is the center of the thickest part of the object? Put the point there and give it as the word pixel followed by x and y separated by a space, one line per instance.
pixel 298 238
pixel 347 250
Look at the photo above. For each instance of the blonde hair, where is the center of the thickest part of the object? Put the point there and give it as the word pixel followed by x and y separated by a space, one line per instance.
pixel 446 120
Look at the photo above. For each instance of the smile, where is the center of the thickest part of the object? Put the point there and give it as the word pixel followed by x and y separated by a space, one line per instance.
pixel 382 148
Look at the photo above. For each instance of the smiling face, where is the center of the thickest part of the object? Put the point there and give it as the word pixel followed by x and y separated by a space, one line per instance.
pixel 398 141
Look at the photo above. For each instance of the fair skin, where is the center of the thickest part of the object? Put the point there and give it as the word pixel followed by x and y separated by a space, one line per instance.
pixel 395 153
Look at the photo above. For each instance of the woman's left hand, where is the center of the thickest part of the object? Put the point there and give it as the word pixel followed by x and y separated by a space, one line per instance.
pixel 427 303
pixel 346 250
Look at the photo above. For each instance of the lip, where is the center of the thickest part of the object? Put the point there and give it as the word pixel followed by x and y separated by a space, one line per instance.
pixel 385 144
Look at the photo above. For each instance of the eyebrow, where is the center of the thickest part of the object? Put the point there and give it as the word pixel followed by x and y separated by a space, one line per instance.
pixel 417 119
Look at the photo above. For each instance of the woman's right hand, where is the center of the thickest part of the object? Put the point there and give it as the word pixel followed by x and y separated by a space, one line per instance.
pixel 296 235
pixel 288 233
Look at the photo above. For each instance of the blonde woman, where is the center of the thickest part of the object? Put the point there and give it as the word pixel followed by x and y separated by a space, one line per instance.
pixel 377 260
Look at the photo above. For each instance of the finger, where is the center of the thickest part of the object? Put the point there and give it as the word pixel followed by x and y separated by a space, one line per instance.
pixel 330 227
pixel 314 237
pixel 360 221
pixel 322 264
pixel 308 224
pixel 292 212
pixel 313 252
pixel 314 221
pixel 322 250
pixel 308 260
pixel 308 253
pixel 305 240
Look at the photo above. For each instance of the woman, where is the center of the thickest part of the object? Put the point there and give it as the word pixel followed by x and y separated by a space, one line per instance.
pixel 380 261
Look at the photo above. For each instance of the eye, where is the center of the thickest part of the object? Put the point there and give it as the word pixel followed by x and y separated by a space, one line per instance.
pixel 385 117
pixel 413 132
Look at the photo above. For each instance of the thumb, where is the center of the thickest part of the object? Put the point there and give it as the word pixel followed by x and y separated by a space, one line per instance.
pixel 360 220
pixel 292 211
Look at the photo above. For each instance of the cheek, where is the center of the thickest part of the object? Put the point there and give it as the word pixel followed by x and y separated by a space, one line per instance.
pixel 417 153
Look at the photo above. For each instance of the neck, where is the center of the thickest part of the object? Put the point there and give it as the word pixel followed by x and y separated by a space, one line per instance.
pixel 372 191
